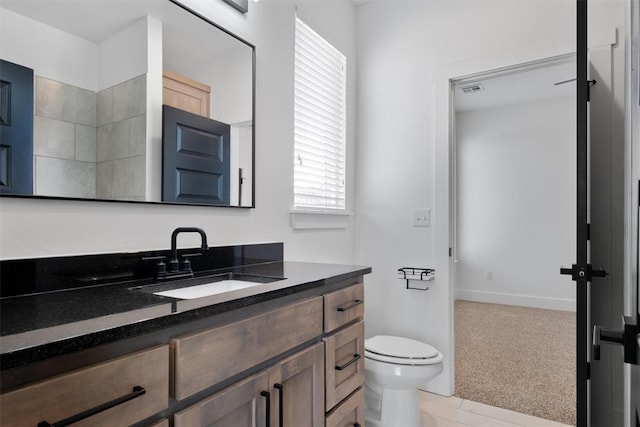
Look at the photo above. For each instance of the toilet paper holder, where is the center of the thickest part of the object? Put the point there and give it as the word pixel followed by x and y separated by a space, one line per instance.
pixel 417 274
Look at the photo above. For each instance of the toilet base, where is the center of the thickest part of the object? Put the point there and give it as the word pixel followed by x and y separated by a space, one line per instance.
pixel 391 407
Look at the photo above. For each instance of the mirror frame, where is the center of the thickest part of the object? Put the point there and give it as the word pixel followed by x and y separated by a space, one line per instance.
pixel 253 137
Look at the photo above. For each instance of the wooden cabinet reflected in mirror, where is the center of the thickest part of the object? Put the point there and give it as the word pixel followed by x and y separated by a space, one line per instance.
pixel 99 85
pixel 185 94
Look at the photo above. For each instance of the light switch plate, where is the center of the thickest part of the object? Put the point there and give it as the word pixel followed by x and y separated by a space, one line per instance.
pixel 421 217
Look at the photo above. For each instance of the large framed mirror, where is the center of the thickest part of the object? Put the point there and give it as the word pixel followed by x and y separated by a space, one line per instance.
pixel 137 101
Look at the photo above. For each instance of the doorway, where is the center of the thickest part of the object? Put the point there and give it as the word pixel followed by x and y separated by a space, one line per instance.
pixel 513 223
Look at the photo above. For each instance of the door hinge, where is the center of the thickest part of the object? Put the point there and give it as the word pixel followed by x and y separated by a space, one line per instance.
pixel 588 370
pixel 450 251
pixel 625 336
pixel 589 232
pixel 589 84
pixel 583 273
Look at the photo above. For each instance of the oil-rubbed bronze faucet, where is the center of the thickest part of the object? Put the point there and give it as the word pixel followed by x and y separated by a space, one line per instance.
pixel 175 265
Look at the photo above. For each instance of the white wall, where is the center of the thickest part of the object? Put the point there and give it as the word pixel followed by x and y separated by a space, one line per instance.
pixel 32 228
pixel 48 51
pixel 154 55
pixel 229 77
pixel 399 49
pixel 516 179
pixel 125 54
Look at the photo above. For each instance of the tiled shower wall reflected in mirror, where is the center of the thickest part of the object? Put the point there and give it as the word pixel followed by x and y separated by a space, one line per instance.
pixel 64 140
pixel 90 145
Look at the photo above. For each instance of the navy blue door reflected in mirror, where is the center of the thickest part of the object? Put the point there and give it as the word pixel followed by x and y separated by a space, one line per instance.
pixel 16 129
pixel 195 158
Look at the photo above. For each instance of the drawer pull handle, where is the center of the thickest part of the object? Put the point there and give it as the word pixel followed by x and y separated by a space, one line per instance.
pixel 354 303
pixel 267 407
pixel 280 388
pixel 137 392
pixel 356 357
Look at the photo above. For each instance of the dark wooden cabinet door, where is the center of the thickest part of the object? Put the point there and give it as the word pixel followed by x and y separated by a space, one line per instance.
pixel 195 158
pixel 297 389
pixel 16 129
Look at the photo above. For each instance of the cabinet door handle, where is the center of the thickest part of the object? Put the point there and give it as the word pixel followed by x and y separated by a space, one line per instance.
pixel 349 306
pixel 137 392
pixel 267 406
pixel 356 357
pixel 280 389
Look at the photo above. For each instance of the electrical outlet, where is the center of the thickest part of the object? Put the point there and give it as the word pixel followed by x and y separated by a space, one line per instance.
pixel 421 217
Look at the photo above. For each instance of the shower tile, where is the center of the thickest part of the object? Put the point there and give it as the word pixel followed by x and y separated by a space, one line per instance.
pixel 55 100
pixel 138 135
pixel 104 176
pixel 129 98
pixel 129 178
pixel 86 140
pixel 65 178
pixel 105 107
pixel 113 141
pixel 86 107
pixel 53 138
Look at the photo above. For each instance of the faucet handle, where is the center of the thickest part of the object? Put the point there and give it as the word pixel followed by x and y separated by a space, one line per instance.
pixel 161 266
pixel 192 254
pixel 185 264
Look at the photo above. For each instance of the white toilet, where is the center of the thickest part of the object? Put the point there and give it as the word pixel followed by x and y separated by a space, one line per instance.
pixel 394 369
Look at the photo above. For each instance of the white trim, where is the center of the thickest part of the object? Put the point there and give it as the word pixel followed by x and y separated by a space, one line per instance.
pixel 306 220
pixel 599 37
pixel 443 135
pixel 517 299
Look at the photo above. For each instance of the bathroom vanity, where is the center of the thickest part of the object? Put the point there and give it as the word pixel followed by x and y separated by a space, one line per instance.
pixel 285 347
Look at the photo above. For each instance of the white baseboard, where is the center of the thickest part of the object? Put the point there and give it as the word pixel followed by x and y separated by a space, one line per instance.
pixel 515 299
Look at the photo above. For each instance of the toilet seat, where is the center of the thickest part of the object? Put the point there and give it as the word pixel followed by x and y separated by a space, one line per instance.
pixel 400 351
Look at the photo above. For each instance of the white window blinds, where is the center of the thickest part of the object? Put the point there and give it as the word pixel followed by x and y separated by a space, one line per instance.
pixel 319 123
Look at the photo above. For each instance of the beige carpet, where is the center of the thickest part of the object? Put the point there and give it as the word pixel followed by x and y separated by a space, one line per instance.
pixel 517 358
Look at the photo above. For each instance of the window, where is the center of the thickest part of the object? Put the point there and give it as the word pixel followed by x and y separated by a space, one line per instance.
pixel 319 123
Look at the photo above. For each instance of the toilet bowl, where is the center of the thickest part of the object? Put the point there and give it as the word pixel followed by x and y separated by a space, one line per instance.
pixel 394 369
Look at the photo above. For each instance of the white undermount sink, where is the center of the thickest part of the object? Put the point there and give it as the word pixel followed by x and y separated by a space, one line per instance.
pixel 207 289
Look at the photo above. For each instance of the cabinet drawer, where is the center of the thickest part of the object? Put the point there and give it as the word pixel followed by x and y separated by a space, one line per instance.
pixel 242 404
pixel 344 363
pixel 343 306
pixel 349 413
pixel 208 357
pixel 67 395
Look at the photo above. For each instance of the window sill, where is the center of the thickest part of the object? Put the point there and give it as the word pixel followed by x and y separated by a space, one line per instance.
pixel 305 220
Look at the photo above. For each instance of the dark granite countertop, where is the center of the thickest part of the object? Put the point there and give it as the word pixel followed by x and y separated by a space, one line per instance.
pixel 34 327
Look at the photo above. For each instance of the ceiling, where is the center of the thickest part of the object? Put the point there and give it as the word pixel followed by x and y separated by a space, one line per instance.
pixel 97 20
pixel 519 85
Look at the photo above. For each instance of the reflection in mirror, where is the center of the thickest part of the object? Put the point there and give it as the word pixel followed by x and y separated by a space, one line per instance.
pixel 99 72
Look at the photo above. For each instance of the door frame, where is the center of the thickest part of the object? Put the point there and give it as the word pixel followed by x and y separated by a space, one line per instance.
pixel 444 154
pixel 444 158
pixel 489 74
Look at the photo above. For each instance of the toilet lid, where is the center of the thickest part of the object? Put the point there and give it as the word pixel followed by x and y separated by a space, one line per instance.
pixel 385 346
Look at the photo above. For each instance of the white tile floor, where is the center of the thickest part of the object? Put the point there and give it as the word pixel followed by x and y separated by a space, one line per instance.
pixel 441 411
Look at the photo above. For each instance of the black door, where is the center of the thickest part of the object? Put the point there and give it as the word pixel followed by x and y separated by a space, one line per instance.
pixel 16 129
pixel 581 269
pixel 599 199
pixel 635 340
pixel 195 158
